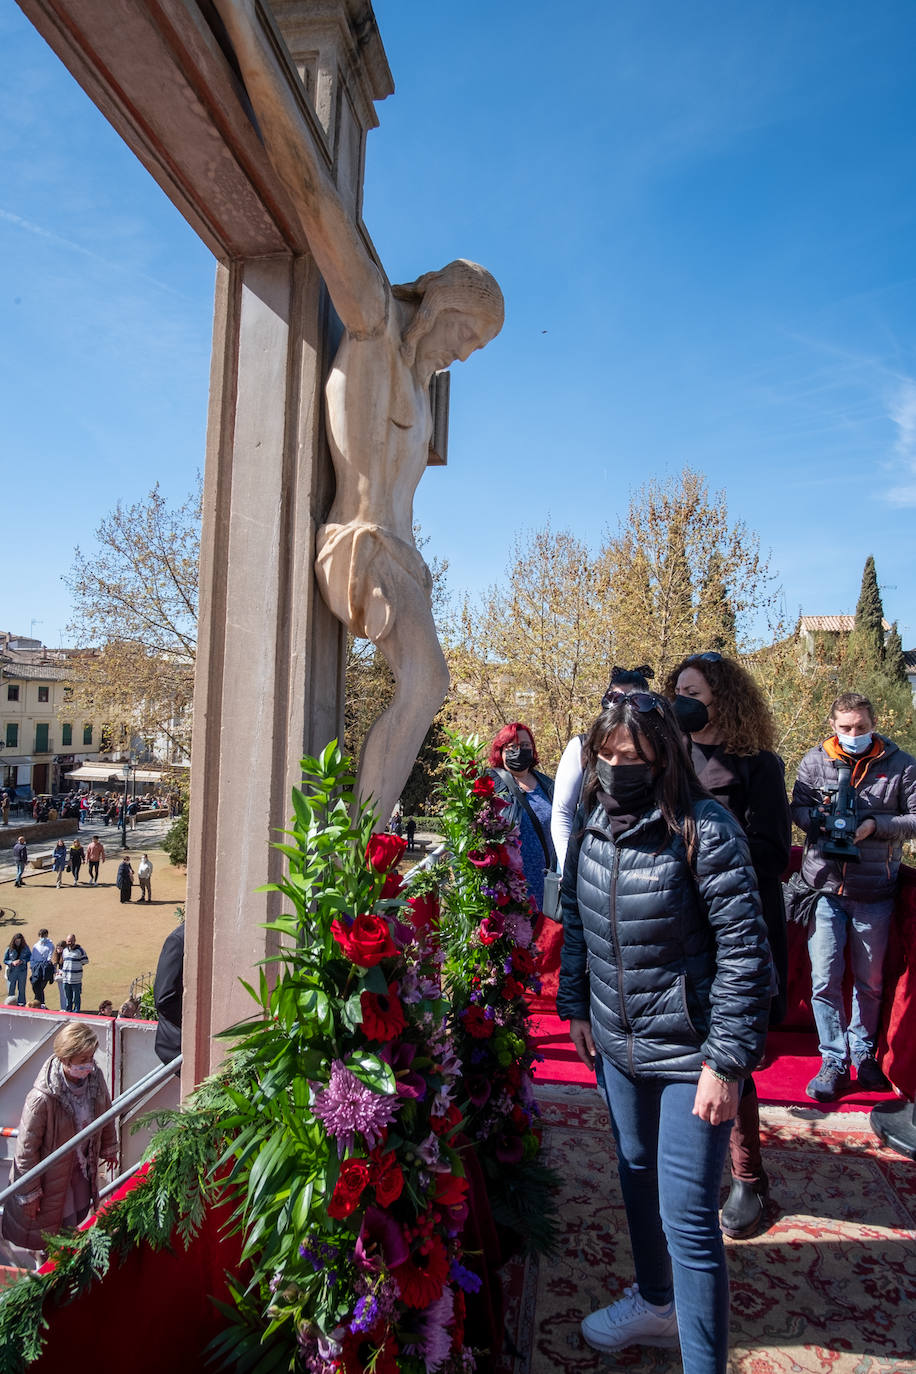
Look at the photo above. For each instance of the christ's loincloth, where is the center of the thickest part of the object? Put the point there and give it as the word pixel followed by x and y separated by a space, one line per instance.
pixel 361 569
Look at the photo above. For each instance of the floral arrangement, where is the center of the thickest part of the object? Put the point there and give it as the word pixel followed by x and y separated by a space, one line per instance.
pixel 391 1040
pixel 487 934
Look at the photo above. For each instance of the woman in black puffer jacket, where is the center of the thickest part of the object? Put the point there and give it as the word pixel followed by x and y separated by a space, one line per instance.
pixel 666 974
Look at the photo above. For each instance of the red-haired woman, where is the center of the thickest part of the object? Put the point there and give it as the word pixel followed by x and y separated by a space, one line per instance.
pixel 529 793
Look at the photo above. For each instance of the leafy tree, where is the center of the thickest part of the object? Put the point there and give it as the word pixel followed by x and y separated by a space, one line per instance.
pixel 684 577
pixel 135 615
pixel 538 647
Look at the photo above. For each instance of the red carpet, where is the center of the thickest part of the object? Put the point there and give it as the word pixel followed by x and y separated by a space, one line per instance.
pixel 791 1062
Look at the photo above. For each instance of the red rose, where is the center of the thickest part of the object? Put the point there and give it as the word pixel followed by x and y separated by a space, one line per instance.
pixel 451 1189
pixel 441 1125
pixel 353 1178
pixel 491 928
pixel 491 856
pixel 484 786
pixel 367 942
pixel 423 911
pixel 522 961
pixel 383 852
pixel 392 885
pixel 476 1023
pixel 387 1178
pixel 383 1016
pixel 513 988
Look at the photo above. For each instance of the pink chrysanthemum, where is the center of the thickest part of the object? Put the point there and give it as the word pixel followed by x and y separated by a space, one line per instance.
pixel 346 1106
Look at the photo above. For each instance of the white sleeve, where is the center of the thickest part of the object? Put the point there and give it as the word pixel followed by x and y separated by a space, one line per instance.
pixel 567 786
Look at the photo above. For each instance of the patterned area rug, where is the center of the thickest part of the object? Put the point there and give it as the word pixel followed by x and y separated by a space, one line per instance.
pixel 828 1288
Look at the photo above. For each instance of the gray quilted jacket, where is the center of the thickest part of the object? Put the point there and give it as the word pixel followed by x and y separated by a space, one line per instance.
pixel 670 966
pixel 886 789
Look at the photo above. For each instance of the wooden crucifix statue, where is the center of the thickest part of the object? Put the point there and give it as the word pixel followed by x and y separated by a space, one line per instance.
pixel 379 419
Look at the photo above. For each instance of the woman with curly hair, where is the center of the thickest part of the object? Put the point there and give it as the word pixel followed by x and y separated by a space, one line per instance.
pixel 721 708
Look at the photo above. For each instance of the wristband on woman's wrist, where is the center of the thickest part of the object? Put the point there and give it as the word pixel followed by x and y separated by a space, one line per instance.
pixel 716 1073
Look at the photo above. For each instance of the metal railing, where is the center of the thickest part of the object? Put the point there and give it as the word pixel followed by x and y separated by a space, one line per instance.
pixel 142 1088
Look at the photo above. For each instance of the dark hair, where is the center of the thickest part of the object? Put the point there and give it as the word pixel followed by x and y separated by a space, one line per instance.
pixel 622 678
pixel 18 935
pixel 509 735
pixel 743 718
pixel 676 784
pixel 852 701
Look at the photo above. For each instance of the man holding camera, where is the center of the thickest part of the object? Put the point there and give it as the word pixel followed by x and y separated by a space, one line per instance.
pixel 855 798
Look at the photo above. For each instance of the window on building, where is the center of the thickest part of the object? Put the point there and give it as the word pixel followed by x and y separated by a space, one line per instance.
pixel 41 738
pixel 43 694
pixel 87 734
pixel 66 734
pixel 68 694
pixel 12 692
pixel 12 736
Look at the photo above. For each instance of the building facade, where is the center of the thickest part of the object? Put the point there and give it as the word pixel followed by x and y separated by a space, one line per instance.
pixel 40 737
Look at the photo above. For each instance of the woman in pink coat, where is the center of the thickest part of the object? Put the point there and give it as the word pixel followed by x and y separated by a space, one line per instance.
pixel 69 1094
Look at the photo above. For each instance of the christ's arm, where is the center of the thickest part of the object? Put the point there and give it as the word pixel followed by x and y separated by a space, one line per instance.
pixel 356 285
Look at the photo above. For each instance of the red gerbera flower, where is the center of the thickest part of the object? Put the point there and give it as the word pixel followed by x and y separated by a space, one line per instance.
pixel 360 1346
pixel 383 1015
pixel 421 1278
pixel 522 961
pixel 476 1023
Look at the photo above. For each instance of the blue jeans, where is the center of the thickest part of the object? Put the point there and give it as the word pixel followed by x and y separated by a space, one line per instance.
pixel 20 869
pixel 866 926
pixel 16 979
pixel 72 995
pixel 670 1164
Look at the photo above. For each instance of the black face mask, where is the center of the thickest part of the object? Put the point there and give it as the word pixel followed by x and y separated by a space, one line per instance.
pixel 630 785
pixel 518 758
pixel 692 715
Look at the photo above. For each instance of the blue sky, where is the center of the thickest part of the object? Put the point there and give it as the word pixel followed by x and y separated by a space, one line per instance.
pixel 702 219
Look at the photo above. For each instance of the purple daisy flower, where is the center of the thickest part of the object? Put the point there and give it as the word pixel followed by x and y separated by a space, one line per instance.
pixel 346 1106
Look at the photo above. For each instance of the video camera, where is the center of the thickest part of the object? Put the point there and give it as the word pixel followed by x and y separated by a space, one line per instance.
pixel 840 819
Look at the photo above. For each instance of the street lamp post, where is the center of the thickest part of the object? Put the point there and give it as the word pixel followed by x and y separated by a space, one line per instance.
pixel 124 807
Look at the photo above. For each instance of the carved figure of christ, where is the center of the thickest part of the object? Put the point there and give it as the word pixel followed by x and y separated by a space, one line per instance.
pixel 379 422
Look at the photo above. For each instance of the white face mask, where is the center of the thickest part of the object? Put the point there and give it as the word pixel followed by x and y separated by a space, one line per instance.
pixel 854 744
pixel 78 1070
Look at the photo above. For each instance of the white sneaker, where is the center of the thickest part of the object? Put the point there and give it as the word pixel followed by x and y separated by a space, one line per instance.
pixel 630 1321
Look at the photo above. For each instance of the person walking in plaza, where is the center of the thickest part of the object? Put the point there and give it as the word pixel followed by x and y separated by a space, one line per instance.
pixel 69 1093
pixel 41 965
pixel 73 960
pixel 722 710
pixel 133 808
pixel 95 855
pixel 21 855
pixel 145 878
pixel 666 974
pixel 125 879
pixel 16 961
pixel 59 861
pixel 856 905
pixel 75 856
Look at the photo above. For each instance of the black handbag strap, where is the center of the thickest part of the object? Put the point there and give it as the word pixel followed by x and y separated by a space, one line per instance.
pixel 550 854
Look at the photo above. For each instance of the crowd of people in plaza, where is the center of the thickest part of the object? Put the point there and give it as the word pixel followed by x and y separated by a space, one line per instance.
pixel 670 823
pixel 45 963
pixel 67 861
pixel 88 808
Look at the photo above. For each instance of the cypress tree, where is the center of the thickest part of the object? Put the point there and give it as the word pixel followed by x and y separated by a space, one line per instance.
pixel 868 635
pixel 894 662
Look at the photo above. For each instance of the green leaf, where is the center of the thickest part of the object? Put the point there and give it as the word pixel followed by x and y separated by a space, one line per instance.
pixel 372 1071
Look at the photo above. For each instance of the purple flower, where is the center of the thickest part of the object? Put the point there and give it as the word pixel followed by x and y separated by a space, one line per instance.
pixel 347 1106
pixel 465 1278
pixel 364 1314
pixel 399 1055
pixel 434 1340
pixel 380 1238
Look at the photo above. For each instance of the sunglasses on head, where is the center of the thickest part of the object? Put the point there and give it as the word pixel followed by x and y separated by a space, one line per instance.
pixel 706 658
pixel 643 701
